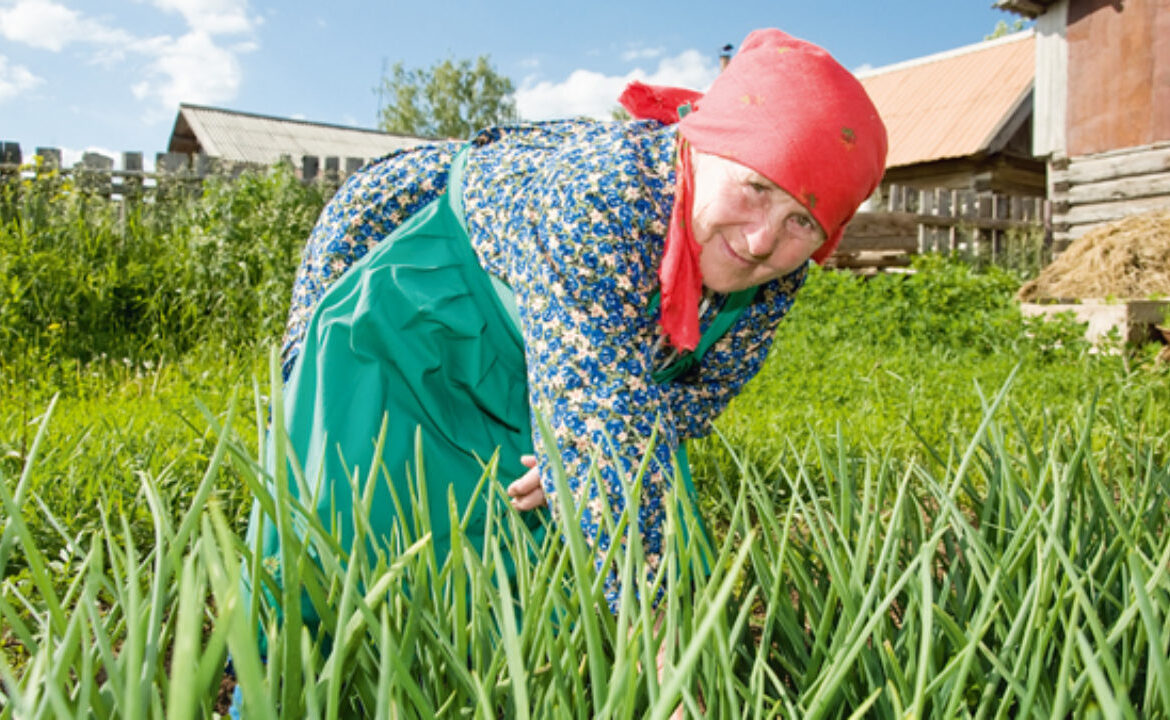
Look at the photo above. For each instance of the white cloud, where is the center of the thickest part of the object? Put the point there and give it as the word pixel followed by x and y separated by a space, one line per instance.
pixel 51 26
pixel 190 69
pixel 641 54
pixel 592 94
pixel 193 68
pixel 213 17
pixel 196 68
pixel 15 79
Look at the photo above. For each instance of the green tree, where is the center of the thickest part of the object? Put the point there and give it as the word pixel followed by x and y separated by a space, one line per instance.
pixel 1002 28
pixel 451 99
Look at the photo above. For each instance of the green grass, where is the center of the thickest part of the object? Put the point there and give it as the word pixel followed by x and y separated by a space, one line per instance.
pixel 924 506
pixel 896 362
pixel 987 583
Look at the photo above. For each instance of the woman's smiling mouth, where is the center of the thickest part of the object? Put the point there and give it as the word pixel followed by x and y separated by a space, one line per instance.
pixel 735 256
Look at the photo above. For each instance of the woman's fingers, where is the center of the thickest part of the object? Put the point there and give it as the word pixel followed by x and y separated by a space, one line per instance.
pixel 526 492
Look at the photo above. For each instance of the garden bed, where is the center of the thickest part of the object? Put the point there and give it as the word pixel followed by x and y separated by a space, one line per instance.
pixel 1135 320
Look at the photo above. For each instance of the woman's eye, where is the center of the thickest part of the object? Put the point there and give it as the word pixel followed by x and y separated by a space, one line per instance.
pixel 804 224
pixel 758 186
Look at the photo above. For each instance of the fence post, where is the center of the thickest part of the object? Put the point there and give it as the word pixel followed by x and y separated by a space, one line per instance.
pixel 50 158
pixel 48 169
pixel 309 165
pixel 926 206
pixel 94 174
pixel 332 177
pixel 966 212
pixel 997 208
pixel 132 178
pixel 10 158
pixel 10 153
pixel 892 198
pixel 953 213
pixel 169 170
pixel 202 166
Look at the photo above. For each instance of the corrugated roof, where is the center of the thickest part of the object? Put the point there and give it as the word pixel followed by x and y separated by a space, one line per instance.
pixel 1027 8
pixel 952 104
pixel 247 137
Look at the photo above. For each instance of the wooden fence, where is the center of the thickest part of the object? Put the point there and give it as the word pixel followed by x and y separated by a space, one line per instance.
pixel 96 173
pixel 909 221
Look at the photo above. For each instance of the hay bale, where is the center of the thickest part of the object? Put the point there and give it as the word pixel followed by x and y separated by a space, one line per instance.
pixel 1129 258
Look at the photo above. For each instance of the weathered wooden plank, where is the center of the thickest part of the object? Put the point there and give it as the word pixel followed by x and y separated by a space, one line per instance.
pixel 171 163
pixel 132 162
pixel 1107 212
pixel 926 206
pixel 1121 189
pixel 132 176
pixel 10 153
pixel 309 167
pixel 1114 164
pixel 201 165
pixel 1050 95
pixel 882 223
pixel 903 243
pixel 50 157
pixel 871 260
pixel 94 174
pixel 949 223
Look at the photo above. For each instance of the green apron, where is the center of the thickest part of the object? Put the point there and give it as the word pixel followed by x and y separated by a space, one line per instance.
pixel 418 334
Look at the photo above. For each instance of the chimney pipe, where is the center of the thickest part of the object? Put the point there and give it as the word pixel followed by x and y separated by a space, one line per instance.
pixel 725 57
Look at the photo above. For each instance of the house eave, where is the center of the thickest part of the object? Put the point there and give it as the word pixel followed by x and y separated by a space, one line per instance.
pixel 1030 9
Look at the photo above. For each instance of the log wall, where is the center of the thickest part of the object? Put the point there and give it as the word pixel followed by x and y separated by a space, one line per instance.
pixel 1091 190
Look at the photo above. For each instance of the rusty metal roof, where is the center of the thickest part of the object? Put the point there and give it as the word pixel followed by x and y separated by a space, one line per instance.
pixel 957 103
pixel 247 137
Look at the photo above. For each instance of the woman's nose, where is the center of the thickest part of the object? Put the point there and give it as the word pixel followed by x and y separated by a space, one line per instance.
pixel 760 238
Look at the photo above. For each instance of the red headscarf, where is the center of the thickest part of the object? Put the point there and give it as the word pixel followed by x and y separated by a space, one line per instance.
pixel 785 108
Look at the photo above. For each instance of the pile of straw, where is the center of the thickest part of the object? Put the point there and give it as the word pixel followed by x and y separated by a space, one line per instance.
pixel 1127 259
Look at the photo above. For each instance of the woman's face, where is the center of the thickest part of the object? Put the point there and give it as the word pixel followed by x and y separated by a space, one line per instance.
pixel 749 230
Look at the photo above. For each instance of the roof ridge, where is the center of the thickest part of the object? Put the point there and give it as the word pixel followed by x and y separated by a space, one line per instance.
pixel 261 116
pixel 947 54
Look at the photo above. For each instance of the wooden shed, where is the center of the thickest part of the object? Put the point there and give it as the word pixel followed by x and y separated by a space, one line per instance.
pixel 241 137
pixel 1102 107
pixel 961 119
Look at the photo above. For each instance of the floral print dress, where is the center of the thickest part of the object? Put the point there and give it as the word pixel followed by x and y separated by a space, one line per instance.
pixel 572 216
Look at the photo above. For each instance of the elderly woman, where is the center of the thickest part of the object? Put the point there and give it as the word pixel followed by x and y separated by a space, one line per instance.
pixel 623 280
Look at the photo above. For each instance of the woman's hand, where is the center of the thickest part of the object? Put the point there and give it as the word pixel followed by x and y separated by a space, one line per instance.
pixel 527 492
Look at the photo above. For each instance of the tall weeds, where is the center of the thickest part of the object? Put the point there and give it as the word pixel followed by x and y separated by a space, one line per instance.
pixel 87 277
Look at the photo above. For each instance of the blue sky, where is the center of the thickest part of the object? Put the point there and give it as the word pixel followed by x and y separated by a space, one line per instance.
pixel 108 75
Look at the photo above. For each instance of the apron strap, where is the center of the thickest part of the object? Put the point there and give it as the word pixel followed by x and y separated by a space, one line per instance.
pixel 732 308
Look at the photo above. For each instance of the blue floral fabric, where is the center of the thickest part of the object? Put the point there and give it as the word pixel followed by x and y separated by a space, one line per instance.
pixel 572 215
